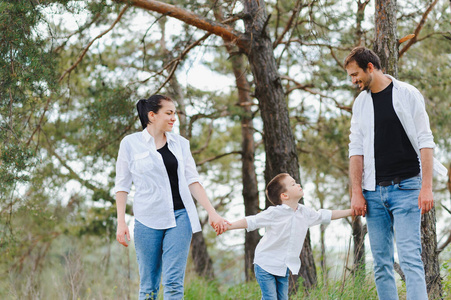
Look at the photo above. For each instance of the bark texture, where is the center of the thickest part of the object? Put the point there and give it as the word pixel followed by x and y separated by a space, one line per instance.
pixel 386 40
pixel 386 46
pixel 202 261
pixel 358 234
pixel 279 141
pixel 430 255
pixel 249 177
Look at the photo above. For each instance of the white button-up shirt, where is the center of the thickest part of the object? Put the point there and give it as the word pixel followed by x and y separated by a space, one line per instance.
pixel 286 229
pixel 139 162
pixel 408 104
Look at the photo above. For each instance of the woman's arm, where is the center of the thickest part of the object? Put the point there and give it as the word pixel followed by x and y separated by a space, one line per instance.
pixel 338 214
pixel 215 220
pixel 122 228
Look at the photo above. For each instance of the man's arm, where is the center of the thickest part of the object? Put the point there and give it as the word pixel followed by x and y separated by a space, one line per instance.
pixel 426 198
pixel 358 202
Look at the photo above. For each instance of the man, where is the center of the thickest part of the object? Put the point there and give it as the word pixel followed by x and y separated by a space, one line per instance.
pixel 391 165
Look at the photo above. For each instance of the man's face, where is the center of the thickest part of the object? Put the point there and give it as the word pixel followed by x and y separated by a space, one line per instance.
pixel 359 77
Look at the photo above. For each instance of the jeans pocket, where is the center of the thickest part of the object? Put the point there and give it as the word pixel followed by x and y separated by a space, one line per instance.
pixel 413 183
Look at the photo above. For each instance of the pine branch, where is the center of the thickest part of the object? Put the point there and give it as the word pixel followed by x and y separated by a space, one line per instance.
pixel 82 55
pixel 418 29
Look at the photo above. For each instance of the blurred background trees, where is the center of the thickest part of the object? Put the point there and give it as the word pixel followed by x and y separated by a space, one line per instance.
pixel 72 71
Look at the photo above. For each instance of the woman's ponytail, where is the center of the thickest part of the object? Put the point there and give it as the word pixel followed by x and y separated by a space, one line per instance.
pixel 144 106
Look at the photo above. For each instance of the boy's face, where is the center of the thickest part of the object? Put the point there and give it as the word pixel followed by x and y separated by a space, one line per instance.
pixel 294 190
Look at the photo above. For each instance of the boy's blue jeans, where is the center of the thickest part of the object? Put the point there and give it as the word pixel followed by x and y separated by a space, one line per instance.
pixel 273 287
pixel 393 214
pixel 163 251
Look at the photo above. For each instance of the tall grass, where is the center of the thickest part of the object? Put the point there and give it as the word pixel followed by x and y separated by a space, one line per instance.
pixel 89 269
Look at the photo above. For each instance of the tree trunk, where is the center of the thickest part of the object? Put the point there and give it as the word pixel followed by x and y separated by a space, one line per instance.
pixel 386 46
pixel 358 235
pixel 323 253
pixel 202 261
pixel 386 41
pixel 248 174
pixel 278 137
pixel 430 255
pixel 249 177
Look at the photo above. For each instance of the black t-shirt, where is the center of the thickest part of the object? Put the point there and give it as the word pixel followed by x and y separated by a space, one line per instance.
pixel 393 152
pixel 171 164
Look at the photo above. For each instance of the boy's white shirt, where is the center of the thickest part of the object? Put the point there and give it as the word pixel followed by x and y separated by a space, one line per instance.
pixel 286 229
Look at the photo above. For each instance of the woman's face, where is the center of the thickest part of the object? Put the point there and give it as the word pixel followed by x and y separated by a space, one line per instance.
pixel 164 119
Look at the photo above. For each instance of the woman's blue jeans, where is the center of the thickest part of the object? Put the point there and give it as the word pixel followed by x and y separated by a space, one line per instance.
pixel 273 287
pixel 163 252
pixel 393 214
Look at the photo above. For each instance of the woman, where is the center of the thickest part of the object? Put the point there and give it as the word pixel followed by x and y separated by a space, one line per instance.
pixel 164 173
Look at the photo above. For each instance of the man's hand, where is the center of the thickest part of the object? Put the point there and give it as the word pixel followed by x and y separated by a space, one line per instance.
pixel 358 204
pixel 425 200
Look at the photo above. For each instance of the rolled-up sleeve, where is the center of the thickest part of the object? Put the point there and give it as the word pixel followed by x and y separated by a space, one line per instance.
pixel 421 121
pixel 262 219
pixel 123 180
pixel 191 173
pixel 322 216
pixel 355 137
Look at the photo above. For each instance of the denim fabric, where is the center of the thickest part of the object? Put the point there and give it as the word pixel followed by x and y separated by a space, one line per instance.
pixel 393 214
pixel 273 287
pixel 163 251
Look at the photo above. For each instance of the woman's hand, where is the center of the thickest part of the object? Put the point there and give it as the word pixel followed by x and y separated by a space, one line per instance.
pixel 218 223
pixel 122 232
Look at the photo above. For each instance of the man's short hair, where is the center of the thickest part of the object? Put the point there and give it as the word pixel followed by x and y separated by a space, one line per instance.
pixel 362 56
pixel 275 188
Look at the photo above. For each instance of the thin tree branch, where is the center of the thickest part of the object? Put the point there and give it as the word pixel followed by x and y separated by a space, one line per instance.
pixel 295 12
pixel 210 133
pixel 87 25
pixel 418 29
pixel 217 157
pixel 221 30
pixel 177 61
pixel 307 89
pixel 80 58
pixel 84 182
pixel 445 243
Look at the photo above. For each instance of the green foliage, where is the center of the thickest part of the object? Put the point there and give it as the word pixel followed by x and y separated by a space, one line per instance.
pixel 59 140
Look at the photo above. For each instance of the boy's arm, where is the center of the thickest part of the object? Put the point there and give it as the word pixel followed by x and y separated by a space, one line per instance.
pixel 240 224
pixel 338 214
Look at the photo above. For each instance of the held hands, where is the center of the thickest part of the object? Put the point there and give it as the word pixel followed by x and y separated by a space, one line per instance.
pixel 219 224
pixel 122 232
pixel 425 200
pixel 358 205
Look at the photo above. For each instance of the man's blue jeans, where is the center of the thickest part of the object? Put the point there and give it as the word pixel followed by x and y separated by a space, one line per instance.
pixel 393 214
pixel 273 287
pixel 163 251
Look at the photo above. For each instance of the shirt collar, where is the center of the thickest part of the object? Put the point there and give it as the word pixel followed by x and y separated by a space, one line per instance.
pixel 284 206
pixel 394 80
pixel 148 137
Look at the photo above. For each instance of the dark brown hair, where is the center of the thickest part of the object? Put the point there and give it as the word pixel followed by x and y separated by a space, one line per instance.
pixel 275 188
pixel 144 106
pixel 362 56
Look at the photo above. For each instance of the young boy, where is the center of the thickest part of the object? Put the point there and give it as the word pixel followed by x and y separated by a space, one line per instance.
pixel 286 227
